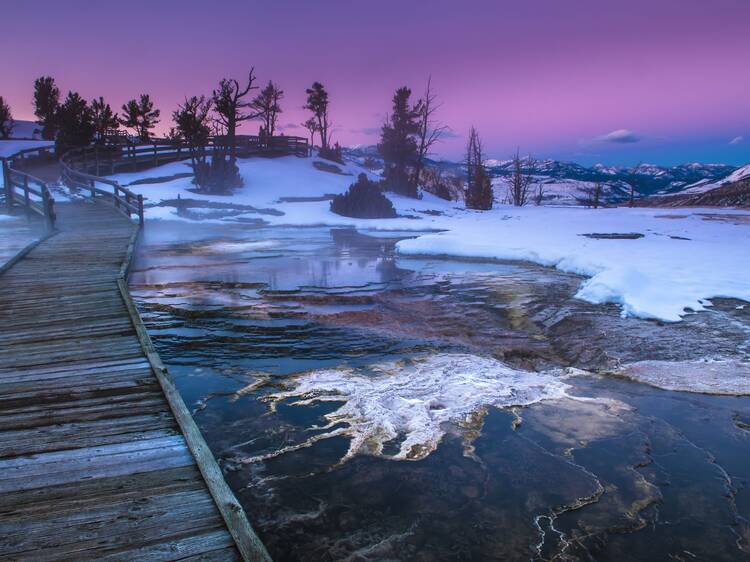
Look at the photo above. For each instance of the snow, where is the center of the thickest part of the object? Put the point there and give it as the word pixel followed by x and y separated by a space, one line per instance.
pixel 707 376
pixel 703 186
pixel 657 276
pixel 413 400
pixel 678 265
pixel 11 146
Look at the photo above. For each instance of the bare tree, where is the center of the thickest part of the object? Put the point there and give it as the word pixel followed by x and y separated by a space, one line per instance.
pixel 520 180
pixel 430 131
pixel 633 183
pixel 539 193
pixel 230 107
pixel 312 127
pixel 590 195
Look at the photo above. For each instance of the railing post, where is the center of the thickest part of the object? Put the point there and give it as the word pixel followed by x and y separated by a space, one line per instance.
pixel 156 156
pixel 92 184
pixel 116 200
pixel 49 210
pixel 135 164
pixel 8 186
pixel 140 210
pixel 27 196
pixel 96 159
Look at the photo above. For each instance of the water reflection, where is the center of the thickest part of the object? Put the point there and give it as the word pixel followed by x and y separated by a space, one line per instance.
pixel 615 471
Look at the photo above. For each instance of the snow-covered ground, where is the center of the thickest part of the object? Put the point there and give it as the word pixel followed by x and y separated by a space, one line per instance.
pixel 11 146
pixel 682 259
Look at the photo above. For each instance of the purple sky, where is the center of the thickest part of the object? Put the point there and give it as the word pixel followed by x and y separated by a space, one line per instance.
pixel 553 77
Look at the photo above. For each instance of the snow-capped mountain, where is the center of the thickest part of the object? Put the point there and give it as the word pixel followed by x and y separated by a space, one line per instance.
pixel 562 182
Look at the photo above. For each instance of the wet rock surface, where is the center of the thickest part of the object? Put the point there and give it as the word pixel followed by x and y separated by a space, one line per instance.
pixel 610 469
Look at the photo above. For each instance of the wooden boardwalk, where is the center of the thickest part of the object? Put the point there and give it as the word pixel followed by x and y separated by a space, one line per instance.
pixel 98 457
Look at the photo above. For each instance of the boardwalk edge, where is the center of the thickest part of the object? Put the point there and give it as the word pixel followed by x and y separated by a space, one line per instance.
pixel 249 545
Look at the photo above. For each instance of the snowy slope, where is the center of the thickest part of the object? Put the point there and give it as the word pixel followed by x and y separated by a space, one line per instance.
pixel 705 185
pixel 10 147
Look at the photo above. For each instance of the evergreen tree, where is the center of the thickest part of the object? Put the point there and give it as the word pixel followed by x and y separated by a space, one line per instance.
pixel 479 194
pixel 6 119
pixel 398 145
pixel 140 116
pixel 266 106
pixel 230 106
pixel 192 125
pixel 76 124
pixel 317 103
pixel 103 117
pixel 46 104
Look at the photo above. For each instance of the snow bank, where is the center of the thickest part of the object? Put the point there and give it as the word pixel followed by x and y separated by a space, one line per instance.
pixel 678 264
pixel 410 401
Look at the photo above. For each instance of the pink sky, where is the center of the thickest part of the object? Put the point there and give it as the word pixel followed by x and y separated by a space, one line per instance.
pixel 548 76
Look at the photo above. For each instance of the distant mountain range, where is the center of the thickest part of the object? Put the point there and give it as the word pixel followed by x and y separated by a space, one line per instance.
pixel 649 179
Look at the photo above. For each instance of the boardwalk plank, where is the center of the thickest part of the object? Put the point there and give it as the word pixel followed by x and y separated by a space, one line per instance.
pixel 93 462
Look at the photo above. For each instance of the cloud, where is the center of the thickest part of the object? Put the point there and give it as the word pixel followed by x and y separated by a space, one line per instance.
pixel 737 140
pixel 620 136
pixel 289 126
pixel 450 134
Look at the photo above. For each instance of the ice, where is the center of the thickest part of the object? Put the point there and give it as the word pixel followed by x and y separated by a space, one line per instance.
pixel 412 400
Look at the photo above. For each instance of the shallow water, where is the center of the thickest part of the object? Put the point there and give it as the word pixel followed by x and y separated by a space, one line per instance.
pixel 371 407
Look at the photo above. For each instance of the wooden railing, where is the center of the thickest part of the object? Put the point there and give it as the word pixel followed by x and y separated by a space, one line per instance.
pixel 85 168
pixel 26 190
pixel 124 200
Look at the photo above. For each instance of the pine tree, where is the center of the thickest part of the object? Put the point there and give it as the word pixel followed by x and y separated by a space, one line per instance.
pixel 266 106
pixel 317 103
pixel 230 107
pixel 6 119
pixel 398 145
pixel 312 126
pixel 76 124
pixel 104 118
pixel 479 194
pixel 140 116
pixel 46 104
pixel 192 125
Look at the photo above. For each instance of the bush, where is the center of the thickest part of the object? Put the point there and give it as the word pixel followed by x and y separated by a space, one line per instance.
pixel 363 200
pixel 334 154
pixel 220 175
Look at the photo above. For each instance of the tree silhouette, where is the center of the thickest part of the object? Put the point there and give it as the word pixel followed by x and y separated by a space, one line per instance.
pixel 46 104
pixel 104 119
pixel 229 104
pixel 317 103
pixel 140 116
pixel 6 119
pixel 266 106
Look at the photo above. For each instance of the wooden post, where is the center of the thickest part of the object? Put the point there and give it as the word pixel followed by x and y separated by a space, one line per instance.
pixel 135 164
pixel 8 186
pixel 140 210
pixel 156 156
pixel 93 193
pixel 115 198
pixel 96 159
pixel 26 196
pixel 48 206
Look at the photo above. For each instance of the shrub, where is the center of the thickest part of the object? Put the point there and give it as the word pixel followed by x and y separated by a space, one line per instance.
pixel 363 200
pixel 219 175
pixel 333 154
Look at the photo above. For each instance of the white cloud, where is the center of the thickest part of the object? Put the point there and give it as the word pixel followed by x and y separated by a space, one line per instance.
pixel 737 140
pixel 622 136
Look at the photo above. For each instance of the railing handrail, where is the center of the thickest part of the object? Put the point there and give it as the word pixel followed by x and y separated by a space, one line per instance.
pixel 45 207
